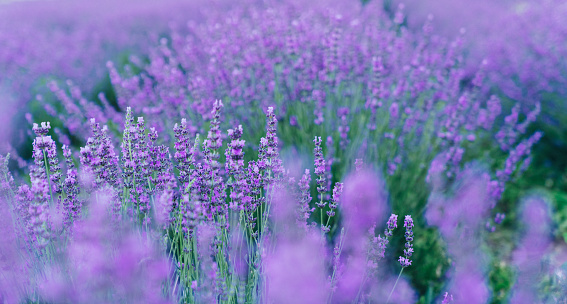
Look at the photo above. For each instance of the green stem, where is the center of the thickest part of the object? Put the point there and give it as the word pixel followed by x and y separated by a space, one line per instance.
pixel 321 219
pixel 391 292
pixel 328 220
pixel 335 268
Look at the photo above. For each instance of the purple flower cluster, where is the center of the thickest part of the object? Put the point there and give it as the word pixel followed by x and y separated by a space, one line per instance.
pixel 534 245
pixel 460 218
pixel 185 151
pixel 235 168
pixel 305 197
pixel 518 160
pixel 377 245
pixel 408 251
pixel 71 203
pixel 99 157
pixel 342 113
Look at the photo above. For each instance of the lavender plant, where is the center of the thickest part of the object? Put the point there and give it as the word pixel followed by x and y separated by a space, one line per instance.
pixel 183 251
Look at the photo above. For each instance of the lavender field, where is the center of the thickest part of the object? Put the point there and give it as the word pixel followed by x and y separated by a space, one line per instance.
pixel 346 151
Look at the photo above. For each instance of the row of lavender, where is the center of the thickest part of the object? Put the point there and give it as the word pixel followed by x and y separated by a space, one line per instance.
pixel 357 78
pixel 215 234
pixel 60 247
pixel 126 228
pixel 231 232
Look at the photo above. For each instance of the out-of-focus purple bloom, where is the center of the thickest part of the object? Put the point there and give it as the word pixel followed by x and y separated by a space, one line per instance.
pixel 358 163
pixel 460 217
pixel 293 121
pixel 519 155
pixel 466 209
pixel 7 186
pixel 534 245
pixel 351 280
pixel 15 271
pixel 469 286
pixel 402 294
pixel 319 99
pixel 499 218
pixel 344 128
pixel 364 202
pixel 105 264
pixel 296 273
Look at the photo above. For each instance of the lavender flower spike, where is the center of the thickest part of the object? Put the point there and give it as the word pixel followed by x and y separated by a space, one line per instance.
pixel 321 179
pixel 405 260
pixel 319 170
pixel 333 204
pixel 392 224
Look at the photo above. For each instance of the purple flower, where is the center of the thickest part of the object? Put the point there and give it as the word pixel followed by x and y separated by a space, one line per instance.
pixel 499 218
pixel 305 197
pixel 344 128
pixel 364 202
pixel 404 262
pixel 447 298
pixel 185 151
pixel 214 140
pixel 470 286
pixel 377 245
pixel 408 251
pixel 268 155
pixel 71 204
pixel 293 121
pixel 334 203
pixel 358 163
pixel 235 162
pixel 41 130
pixel 296 273
pixel 399 16
pixel 99 157
pixel 517 156
pixel 320 170
pixel 319 99
pixel 165 202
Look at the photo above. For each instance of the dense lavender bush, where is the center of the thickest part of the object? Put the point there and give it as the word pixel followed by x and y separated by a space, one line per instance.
pixel 402 87
pixel 73 239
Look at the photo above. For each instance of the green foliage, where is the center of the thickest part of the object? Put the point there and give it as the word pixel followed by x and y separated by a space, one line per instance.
pixel 501 279
pixel 560 214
